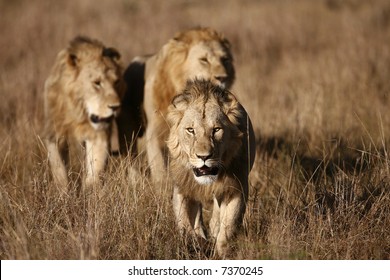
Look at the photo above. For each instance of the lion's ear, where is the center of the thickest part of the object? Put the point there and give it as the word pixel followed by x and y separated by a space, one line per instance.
pixel 111 53
pixel 72 59
pixel 180 102
pixel 232 108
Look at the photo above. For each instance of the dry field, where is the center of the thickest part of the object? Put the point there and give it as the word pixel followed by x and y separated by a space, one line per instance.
pixel 315 79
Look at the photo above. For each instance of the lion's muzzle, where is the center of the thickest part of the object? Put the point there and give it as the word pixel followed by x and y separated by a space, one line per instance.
pixel 96 119
pixel 205 168
pixel 99 122
pixel 221 80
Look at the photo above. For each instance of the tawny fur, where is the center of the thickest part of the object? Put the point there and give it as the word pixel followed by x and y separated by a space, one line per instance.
pixel 210 127
pixel 195 53
pixel 82 97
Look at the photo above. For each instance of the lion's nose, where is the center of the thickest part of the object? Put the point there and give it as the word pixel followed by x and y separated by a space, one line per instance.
pixel 94 118
pixel 204 157
pixel 114 107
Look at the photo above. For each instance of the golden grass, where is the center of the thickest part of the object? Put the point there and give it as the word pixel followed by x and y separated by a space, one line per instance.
pixel 315 79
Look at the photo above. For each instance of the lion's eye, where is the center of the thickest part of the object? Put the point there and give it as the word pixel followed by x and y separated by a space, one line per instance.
pixel 190 130
pixel 97 83
pixel 216 129
pixel 204 60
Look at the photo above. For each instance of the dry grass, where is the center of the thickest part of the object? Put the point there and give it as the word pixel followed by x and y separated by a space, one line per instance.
pixel 315 79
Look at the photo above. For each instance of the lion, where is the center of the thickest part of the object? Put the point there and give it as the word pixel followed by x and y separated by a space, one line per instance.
pixel 82 97
pixel 212 149
pixel 195 53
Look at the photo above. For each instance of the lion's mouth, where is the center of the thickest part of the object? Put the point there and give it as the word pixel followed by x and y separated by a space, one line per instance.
pixel 96 119
pixel 206 171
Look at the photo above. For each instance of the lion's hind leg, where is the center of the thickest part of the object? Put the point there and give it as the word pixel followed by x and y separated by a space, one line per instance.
pixel 155 154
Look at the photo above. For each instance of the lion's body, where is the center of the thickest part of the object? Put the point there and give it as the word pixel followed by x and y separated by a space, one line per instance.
pixel 212 148
pixel 82 97
pixel 196 53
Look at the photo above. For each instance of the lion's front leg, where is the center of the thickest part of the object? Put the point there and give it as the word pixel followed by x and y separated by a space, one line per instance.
pixel 188 214
pixel 57 165
pixel 231 216
pixel 95 159
pixel 215 219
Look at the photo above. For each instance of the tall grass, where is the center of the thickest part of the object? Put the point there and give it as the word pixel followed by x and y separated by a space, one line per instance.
pixel 314 77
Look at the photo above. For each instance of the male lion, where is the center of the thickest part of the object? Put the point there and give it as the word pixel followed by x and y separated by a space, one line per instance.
pixel 82 97
pixel 195 53
pixel 212 148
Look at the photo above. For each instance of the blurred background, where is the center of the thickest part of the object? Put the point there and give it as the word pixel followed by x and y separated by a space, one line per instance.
pixel 312 69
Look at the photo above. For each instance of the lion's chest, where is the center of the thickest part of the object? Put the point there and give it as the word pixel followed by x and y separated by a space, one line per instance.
pixel 199 192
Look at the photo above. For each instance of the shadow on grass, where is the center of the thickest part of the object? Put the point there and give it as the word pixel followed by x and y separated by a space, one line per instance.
pixel 342 175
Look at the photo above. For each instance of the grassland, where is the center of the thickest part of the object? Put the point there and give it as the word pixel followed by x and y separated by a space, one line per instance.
pixel 315 79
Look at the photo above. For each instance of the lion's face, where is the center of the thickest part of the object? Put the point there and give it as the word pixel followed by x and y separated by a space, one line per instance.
pixel 98 85
pixel 210 60
pixel 204 133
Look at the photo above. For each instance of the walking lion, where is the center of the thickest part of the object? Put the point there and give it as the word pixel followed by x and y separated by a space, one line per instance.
pixel 212 150
pixel 82 98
